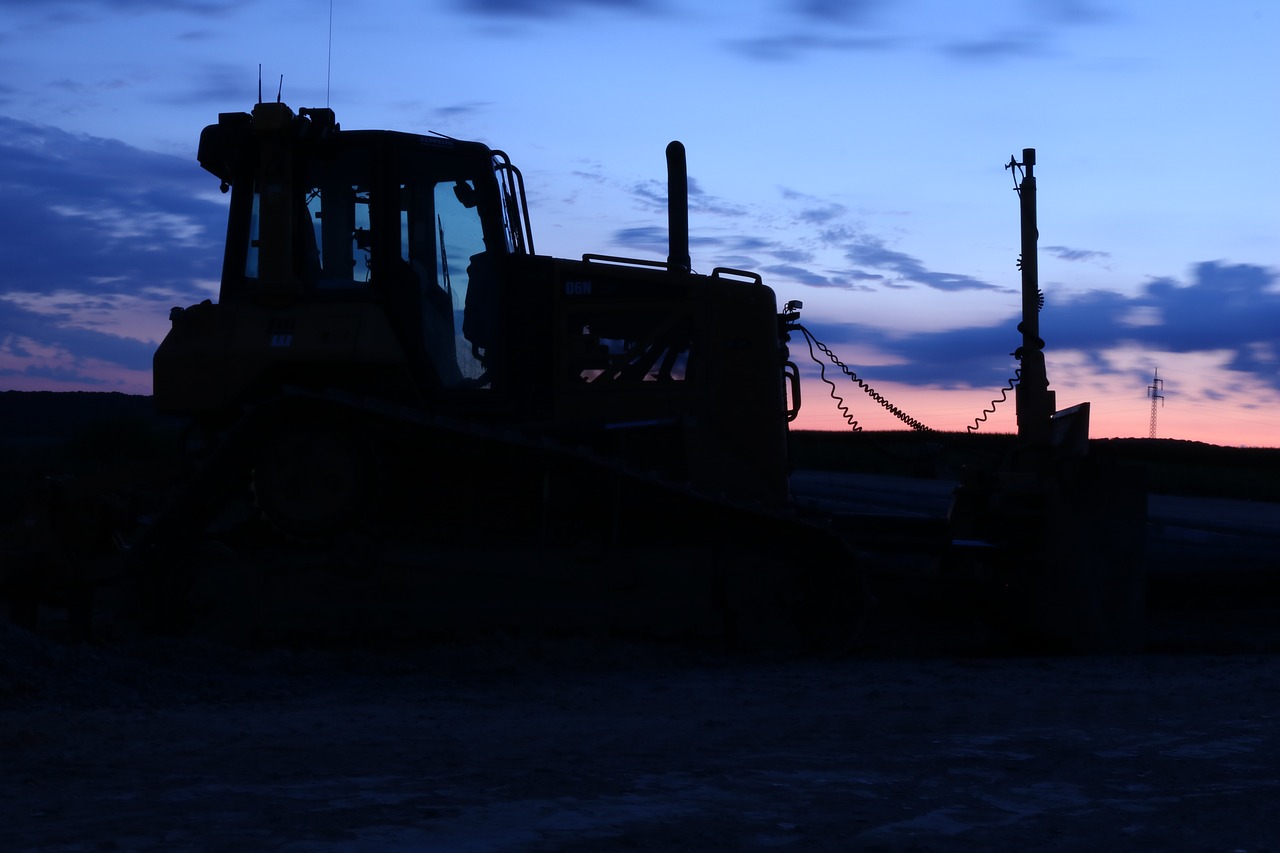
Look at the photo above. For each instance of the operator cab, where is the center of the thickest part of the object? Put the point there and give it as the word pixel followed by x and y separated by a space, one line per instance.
pixel 397 269
pixel 415 223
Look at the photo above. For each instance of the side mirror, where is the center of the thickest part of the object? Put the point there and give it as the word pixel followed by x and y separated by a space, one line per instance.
pixel 466 194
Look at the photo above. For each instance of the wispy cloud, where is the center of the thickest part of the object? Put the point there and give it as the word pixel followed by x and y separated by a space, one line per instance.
pixel 998 46
pixel 1231 308
pixel 860 256
pixel 803 275
pixel 26 331
pixel 837 11
pixel 644 239
pixel 1072 12
pixel 541 9
pixel 808 27
pixel 1225 307
pixel 652 196
pixel 99 208
pixel 867 251
pixel 215 83
pixel 777 48
pixel 69 11
pixel 103 228
pixel 1066 253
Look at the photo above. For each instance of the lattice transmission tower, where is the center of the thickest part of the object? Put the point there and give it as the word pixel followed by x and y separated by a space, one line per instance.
pixel 1153 391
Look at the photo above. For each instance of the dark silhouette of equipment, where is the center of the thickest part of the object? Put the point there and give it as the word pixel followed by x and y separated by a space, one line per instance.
pixel 1057 527
pixel 388 351
pixel 421 407
pixel 400 269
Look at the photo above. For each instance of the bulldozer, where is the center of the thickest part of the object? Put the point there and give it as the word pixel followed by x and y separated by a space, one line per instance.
pixel 400 269
pixel 389 353
pixel 396 401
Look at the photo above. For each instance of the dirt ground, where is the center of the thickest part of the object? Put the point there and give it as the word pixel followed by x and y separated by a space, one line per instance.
pixel 518 744
pixel 501 744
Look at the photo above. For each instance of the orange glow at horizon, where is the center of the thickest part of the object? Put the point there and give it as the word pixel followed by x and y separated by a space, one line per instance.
pixel 1204 401
pixel 28 366
pixel 1118 409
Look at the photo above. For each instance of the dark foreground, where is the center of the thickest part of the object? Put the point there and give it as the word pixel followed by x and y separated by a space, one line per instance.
pixel 530 745
pixel 936 735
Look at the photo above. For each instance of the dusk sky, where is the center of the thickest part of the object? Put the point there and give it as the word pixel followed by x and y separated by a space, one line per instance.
pixel 851 151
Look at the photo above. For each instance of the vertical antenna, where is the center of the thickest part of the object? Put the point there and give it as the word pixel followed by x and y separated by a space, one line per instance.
pixel 1153 391
pixel 1034 400
pixel 259 82
pixel 328 71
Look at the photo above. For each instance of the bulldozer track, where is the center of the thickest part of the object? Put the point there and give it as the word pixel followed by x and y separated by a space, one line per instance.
pixel 581 542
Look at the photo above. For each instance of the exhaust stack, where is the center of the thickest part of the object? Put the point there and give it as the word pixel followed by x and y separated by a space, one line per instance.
pixel 678 260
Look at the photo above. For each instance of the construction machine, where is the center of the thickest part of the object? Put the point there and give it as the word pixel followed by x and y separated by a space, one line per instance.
pixel 389 351
pixel 396 400
pixel 400 269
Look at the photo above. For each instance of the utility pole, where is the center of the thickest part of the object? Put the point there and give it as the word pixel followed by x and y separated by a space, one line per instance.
pixel 1153 391
pixel 1035 402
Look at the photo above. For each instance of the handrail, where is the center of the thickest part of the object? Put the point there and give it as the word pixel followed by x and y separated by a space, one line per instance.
pixel 615 259
pixel 754 276
pixel 505 166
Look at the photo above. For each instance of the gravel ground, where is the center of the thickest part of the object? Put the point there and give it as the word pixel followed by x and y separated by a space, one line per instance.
pixel 518 744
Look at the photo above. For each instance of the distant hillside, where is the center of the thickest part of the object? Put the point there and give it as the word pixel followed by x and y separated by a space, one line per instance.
pixel 57 415
pixel 68 430
pixel 1193 468
pixel 45 433
pixel 1172 467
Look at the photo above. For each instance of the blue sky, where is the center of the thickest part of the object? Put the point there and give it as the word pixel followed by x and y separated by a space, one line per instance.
pixel 852 152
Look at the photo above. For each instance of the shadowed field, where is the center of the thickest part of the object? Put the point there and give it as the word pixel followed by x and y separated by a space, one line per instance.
pixel 1212 536
pixel 52 433
pixel 935 739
